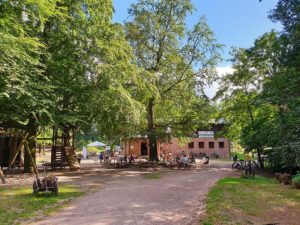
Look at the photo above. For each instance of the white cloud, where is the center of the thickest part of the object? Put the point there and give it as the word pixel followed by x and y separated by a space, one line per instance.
pixel 212 89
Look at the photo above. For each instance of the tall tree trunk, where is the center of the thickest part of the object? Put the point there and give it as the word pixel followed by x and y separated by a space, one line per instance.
pixel 151 132
pixel 33 163
pixel 31 140
pixel 259 148
pixel 66 136
pixel 260 160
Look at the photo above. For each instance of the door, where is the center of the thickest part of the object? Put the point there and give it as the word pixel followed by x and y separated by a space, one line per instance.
pixel 144 149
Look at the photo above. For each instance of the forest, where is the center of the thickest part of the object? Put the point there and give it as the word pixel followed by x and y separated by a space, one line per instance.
pixel 66 64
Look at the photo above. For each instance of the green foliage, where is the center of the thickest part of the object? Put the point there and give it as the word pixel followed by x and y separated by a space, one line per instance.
pixel 23 85
pixel 173 63
pixel 261 98
pixel 66 64
pixel 240 156
pixel 296 179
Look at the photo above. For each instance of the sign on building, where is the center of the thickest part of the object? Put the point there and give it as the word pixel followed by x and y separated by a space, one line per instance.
pixel 206 134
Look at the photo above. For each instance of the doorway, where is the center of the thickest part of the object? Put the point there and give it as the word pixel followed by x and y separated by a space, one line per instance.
pixel 144 149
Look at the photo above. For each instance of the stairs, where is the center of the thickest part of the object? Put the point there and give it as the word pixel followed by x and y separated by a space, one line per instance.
pixel 63 156
pixel 58 157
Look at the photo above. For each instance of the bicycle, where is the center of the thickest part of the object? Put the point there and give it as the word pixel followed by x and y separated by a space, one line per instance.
pixel 246 167
pixel 237 165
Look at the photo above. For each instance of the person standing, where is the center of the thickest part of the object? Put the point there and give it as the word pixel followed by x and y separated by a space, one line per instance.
pixel 101 157
pixel 131 159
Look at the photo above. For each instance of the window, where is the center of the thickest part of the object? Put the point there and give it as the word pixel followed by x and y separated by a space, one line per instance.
pixel 211 144
pixel 201 144
pixel 221 144
pixel 191 145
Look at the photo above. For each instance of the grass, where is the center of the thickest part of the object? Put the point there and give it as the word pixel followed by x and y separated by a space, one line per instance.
pixel 18 204
pixel 154 176
pixel 252 201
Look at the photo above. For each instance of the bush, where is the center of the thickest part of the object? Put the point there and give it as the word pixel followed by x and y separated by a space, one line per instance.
pixel 296 180
pixel 285 158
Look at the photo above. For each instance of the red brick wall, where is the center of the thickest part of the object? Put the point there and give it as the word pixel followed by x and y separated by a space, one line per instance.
pixel 175 147
pixel 134 146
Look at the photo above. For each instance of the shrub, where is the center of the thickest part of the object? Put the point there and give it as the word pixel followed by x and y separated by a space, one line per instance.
pixel 296 180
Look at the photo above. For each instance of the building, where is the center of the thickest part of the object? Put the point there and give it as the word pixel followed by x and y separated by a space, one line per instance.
pixel 204 143
pixel 138 146
pixel 208 146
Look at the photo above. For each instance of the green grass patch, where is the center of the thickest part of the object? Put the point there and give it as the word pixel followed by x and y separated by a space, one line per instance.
pixel 251 201
pixel 154 176
pixel 18 203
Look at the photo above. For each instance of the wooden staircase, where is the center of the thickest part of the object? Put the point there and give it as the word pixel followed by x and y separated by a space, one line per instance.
pixel 63 156
pixel 58 157
pixel 63 150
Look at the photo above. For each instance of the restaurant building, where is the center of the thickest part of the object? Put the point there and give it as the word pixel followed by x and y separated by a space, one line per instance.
pixel 205 143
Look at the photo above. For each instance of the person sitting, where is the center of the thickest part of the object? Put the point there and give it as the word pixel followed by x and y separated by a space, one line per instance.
pixel 131 159
pixel 177 158
pixel 185 160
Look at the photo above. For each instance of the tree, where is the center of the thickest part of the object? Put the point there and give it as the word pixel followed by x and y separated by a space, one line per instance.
pixel 175 62
pixel 23 99
pixel 61 60
pixel 251 118
pixel 284 88
pixel 271 70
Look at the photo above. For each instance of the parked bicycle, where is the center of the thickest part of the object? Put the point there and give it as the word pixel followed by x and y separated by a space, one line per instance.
pixel 247 168
pixel 237 165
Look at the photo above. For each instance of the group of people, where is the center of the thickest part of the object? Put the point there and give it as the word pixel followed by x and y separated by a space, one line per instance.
pixel 182 157
pixel 104 157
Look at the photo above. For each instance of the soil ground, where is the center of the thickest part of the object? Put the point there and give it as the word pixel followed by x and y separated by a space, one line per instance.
pixel 124 196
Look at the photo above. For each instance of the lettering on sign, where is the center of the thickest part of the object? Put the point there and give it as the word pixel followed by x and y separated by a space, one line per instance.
pixel 206 134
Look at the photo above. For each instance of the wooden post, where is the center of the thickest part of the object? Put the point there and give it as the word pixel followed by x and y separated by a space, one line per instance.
pixel 2 176
pixel 31 158
pixel 17 151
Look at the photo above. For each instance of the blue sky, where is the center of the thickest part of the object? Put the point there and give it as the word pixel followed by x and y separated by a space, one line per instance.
pixel 236 23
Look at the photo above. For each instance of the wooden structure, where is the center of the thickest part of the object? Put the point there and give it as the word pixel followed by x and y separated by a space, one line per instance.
pixel 63 150
pixel 9 151
pixel 13 144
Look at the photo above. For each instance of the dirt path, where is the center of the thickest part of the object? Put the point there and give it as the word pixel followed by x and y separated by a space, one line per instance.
pixel 126 197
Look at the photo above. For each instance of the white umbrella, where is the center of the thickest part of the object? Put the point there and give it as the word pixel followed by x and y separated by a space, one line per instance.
pixel 96 144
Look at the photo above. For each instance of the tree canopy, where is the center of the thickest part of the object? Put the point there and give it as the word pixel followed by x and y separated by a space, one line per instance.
pixel 261 97
pixel 175 62
pixel 67 65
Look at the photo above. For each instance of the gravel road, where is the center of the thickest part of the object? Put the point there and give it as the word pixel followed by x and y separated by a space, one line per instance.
pixel 127 198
